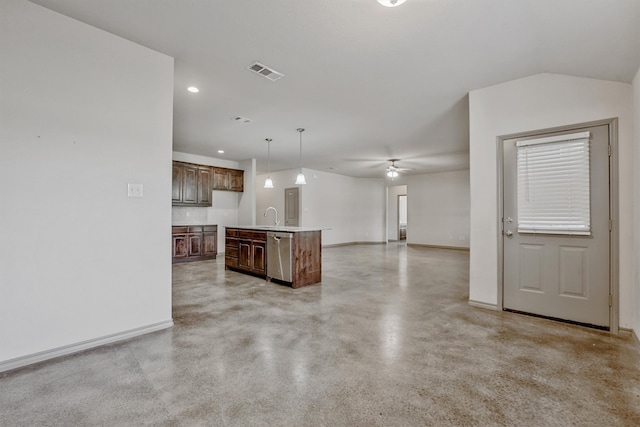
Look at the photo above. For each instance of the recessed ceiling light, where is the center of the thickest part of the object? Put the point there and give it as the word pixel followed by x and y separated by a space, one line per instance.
pixel 193 89
pixel 220 151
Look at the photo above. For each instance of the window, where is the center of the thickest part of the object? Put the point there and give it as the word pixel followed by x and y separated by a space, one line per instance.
pixel 553 185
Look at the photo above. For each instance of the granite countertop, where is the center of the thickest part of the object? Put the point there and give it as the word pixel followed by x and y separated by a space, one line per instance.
pixel 276 228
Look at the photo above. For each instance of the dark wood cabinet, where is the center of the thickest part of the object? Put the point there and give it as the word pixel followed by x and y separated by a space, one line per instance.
pixel 231 248
pixel 306 253
pixel 252 256
pixel 210 244
pixel 194 242
pixel 228 179
pixel 205 175
pixel 191 185
pixel 245 250
pixel 178 179
pixel 179 245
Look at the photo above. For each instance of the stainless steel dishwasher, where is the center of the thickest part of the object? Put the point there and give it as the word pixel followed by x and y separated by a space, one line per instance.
pixel 279 255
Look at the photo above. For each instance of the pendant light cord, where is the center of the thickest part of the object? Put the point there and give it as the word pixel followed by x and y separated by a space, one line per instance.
pixel 268 156
pixel 300 130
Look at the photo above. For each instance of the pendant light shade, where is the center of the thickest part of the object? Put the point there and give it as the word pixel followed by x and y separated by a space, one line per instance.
pixel 391 3
pixel 268 183
pixel 300 180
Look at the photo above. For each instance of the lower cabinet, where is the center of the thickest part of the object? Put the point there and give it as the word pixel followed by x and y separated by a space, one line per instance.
pixel 252 256
pixel 194 242
pixel 245 250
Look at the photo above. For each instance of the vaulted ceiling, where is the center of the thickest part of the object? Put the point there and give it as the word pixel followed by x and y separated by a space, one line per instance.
pixel 368 83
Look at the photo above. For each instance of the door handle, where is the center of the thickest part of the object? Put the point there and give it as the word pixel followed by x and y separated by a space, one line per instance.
pixel 509 233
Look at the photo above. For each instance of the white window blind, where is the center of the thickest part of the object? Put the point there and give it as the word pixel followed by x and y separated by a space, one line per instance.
pixel 553 185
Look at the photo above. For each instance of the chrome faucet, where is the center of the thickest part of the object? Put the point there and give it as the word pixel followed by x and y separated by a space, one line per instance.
pixel 276 211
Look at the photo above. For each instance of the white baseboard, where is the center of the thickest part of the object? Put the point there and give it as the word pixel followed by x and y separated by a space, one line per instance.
pixel 337 245
pixel 636 340
pixel 484 305
pixel 84 345
pixel 455 248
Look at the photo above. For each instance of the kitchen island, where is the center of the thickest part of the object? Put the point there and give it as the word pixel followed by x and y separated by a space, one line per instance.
pixel 290 255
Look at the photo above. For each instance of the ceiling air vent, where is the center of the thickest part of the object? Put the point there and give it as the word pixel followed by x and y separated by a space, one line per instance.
pixel 265 71
pixel 241 119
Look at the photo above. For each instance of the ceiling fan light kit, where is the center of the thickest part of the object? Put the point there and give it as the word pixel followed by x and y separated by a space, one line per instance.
pixel 393 171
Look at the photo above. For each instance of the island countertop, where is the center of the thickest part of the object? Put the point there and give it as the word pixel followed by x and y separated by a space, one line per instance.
pixel 284 228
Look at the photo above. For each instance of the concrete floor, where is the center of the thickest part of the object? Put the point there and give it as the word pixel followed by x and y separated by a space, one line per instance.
pixel 387 339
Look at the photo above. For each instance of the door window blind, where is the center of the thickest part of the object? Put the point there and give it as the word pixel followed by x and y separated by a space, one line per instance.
pixel 553 185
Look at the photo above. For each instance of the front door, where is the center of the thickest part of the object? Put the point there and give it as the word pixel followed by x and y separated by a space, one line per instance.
pixel 291 207
pixel 556 225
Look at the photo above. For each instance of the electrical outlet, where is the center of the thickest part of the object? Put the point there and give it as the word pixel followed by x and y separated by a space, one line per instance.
pixel 134 190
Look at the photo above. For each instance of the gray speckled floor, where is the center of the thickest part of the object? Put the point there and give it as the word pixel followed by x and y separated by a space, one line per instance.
pixel 387 339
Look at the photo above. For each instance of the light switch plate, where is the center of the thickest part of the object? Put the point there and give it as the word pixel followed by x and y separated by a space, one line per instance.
pixel 135 190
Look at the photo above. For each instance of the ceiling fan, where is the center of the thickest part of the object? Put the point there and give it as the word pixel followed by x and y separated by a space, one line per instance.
pixel 393 170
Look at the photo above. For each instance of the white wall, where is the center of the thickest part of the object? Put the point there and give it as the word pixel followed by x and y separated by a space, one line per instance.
pixel 392 210
pixel 349 209
pixel 247 205
pixel 370 198
pixel 438 209
pixel 266 197
pixel 82 114
pixel 355 209
pixel 528 104
pixel 224 209
pixel 636 210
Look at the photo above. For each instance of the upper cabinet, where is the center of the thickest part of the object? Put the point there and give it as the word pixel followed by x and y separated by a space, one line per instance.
pixel 228 179
pixel 192 184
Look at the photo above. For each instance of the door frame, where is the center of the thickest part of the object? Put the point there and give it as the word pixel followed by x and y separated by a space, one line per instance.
pixel 284 216
pixel 398 215
pixel 614 273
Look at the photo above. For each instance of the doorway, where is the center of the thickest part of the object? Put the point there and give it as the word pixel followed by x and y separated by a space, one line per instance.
pixel 291 207
pixel 556 228
pixel 402 217
pixel 397 217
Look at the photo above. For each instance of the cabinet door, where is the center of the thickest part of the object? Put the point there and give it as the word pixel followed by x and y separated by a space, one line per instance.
pixel 204 186
pixel 190 184
pixel 259 257
pixel 180 246
pixel 210 243
pixel 195 244
pixel 176 189
pixel 220 179
pixel 236 180
pixel 245 254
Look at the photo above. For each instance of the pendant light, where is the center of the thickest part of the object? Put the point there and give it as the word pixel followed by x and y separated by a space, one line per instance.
pixel 300 178
pixel 267 182
pixel 391 3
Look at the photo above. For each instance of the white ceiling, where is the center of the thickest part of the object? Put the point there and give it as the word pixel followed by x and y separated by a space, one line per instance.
pixel 369 83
